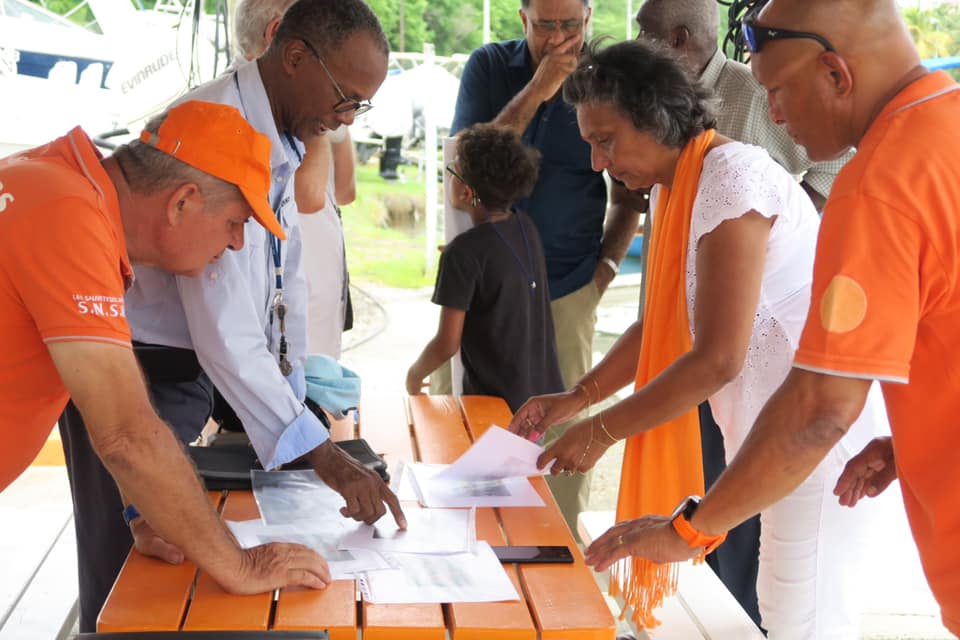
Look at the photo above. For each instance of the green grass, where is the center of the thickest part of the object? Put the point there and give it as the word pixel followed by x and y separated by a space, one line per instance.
pixel 375 252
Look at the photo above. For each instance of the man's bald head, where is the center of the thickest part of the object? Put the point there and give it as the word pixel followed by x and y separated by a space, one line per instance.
pixel 828 95
pixel 854 27
pixel 689 27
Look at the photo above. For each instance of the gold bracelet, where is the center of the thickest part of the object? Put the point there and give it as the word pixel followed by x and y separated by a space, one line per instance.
pixel 597 386
pixel 579 385
pixel 604 427
pixel 584 454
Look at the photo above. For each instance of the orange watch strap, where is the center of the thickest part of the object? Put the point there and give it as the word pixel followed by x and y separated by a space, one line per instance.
pixel 695 538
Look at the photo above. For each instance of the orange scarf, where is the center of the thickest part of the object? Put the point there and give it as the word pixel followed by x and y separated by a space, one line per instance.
pixel 662 465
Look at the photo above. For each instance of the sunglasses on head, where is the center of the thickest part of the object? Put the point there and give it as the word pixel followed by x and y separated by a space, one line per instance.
pixel 755 36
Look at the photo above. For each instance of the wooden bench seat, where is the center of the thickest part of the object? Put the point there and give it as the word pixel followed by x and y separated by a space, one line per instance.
pixel 38 579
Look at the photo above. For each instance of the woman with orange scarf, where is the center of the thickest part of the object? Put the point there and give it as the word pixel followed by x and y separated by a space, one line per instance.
pixel 729 277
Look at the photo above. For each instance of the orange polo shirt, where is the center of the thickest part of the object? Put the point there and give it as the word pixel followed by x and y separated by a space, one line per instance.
pixel 63 269
pixel 886 306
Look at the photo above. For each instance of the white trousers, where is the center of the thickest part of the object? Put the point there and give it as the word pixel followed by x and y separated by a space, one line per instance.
pixel 812 549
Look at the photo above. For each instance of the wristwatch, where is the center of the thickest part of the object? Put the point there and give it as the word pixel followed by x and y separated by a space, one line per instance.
pixel 681 524
pixel 130 514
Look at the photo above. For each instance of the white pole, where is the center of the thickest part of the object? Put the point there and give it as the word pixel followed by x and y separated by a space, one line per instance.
pixel 430 166
pixel 486 21
pixel 629 19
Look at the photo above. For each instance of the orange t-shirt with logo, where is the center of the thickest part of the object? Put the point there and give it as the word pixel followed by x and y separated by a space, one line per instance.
pixel 63 269
pixel 886 305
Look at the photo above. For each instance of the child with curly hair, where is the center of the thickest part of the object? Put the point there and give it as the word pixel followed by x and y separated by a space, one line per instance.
pixel 492 279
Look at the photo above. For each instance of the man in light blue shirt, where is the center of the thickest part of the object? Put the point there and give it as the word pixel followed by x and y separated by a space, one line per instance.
pixel 245 317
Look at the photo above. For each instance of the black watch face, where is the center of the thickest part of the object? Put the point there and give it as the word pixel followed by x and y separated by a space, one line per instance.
pixel 690 507
pixel 684 507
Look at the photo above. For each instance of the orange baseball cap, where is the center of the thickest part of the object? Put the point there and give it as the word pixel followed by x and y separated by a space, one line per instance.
pixel 217 140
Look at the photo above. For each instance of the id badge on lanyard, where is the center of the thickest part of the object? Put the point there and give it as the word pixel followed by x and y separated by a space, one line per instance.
pixel 278 308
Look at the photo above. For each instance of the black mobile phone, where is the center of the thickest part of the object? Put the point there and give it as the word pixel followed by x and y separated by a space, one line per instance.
pixel 534 554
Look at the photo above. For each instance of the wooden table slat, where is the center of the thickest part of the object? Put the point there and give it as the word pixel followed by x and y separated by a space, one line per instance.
pixel 403 622
pixel 149 594
pixel 213 608
pixel 482 412
pixel 579 611
pixel 486 621
pixel 333 609
pixel 385 425
pixel 438 427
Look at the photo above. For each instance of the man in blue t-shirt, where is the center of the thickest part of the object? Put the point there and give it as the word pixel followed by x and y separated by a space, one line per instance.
pixel 517 84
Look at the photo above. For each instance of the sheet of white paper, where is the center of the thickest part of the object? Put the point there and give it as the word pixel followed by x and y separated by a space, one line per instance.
pixel 285 497
pixel 343 563
pixel 461 577
pixel 405 487
pixel 496 454
pixel 506 492
pixel 428 531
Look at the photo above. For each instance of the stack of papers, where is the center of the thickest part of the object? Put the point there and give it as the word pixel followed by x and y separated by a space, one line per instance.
pixel 437 559
pixel 492 473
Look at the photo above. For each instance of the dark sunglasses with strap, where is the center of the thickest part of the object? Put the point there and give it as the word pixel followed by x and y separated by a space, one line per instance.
pixel 755 36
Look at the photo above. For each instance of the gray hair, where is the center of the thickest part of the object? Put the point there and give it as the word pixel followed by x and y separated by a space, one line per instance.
pixel 250 20
pixel 700 17
pixel 647 84
pixel 327 24
pixel 148 170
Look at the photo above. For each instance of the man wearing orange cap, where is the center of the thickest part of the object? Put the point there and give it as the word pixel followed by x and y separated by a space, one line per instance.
pixel 171 199
pixel 244 318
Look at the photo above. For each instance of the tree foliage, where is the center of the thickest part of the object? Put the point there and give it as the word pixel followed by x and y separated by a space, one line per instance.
pixel 456 26
pixel 935 31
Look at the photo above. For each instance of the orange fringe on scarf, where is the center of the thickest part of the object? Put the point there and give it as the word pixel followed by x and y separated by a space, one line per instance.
pixel 662 465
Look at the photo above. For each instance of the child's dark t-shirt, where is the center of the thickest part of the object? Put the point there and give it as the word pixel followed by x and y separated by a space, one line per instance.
pixel 508 346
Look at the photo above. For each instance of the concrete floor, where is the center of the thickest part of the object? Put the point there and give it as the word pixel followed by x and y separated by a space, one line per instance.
pixel 394 325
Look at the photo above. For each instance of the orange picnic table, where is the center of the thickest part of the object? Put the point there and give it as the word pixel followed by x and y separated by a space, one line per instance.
pixel 558 601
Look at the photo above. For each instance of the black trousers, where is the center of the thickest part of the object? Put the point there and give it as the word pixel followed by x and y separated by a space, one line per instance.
pixel 737 561
pixel 103 539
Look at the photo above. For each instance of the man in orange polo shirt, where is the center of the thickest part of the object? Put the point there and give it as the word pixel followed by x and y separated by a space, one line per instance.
pixel 886 293
pixel 71 225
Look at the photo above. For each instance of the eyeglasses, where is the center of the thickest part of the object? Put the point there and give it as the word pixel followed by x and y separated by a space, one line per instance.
pixel 454 173
pixel 569 27
pixel 345 104
pixel 755 36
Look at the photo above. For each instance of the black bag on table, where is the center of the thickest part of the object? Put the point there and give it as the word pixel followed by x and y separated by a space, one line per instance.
pixel 229 466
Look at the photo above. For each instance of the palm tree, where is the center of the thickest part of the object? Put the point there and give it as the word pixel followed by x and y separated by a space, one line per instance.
pixel 934 31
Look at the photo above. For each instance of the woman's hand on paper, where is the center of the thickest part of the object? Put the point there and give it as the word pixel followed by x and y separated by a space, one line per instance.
pixel 539 413
pixel 576 451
